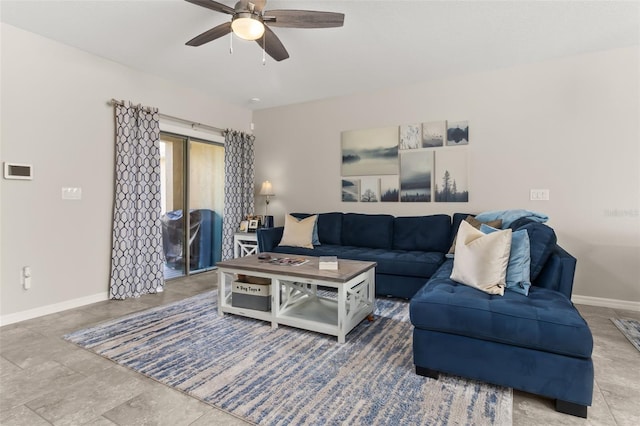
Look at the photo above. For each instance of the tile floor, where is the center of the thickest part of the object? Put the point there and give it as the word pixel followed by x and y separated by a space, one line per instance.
pixel 45 380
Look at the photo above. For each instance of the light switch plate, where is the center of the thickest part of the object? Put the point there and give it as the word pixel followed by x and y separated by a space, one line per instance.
pixel 539 195
pixel 71 193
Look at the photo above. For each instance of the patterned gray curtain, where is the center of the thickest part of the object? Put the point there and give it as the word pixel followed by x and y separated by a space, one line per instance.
pixel 136 255
pixel 238 185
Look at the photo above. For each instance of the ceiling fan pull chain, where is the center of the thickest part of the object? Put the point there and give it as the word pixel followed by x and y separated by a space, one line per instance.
pixel 264 58
pixel 231 43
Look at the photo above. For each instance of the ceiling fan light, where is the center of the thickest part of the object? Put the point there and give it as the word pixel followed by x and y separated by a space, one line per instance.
pixel 248 27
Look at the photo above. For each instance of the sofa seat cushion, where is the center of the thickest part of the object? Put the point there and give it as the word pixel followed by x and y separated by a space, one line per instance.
pixel 392 262
pixel 545 320
pixel 321 250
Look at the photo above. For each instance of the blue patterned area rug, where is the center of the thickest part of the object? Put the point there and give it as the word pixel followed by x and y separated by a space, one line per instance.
pixel 630 328
pixel 290 376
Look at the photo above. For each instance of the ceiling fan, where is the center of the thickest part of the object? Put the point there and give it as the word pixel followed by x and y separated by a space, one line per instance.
pixel 250 21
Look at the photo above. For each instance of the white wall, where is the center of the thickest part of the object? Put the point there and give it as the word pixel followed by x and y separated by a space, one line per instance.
pixel 55 116
pixel 569 125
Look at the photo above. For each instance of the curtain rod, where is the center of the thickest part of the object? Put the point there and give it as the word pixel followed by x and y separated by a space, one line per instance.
pixel 193 124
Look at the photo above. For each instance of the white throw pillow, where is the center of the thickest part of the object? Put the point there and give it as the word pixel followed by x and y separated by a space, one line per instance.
pixel 481 260
pixel 298 232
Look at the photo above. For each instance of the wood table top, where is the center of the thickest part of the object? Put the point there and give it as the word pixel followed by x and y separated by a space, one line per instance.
pixel 347 269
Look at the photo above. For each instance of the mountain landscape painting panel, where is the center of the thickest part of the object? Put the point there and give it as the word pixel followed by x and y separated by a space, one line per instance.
pixel 416 168
pixel 433 134
pixel 370 152
pixel 452 176
pixel 458 133
pixel 350 190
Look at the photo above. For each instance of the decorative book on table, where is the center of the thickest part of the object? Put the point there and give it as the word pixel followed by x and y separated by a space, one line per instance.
pixel 289 261
pixel 328 262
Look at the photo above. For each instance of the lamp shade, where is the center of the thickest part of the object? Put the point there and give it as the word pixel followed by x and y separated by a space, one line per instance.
pixel 247 26
pixel 266 188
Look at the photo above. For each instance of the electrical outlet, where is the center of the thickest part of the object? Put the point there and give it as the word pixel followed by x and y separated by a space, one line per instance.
pixel 539 195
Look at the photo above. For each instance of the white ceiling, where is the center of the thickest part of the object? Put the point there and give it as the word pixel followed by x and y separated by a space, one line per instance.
pixel 382 44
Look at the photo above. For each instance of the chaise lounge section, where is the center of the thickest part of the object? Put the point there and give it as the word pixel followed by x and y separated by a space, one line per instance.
pixel 537 343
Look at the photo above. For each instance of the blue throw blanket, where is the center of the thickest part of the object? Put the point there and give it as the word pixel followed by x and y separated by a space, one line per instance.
pixel 510 216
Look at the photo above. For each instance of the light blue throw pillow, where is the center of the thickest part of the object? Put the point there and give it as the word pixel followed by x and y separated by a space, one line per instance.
pixel 510 216
pixel 314 237
pixel 519 267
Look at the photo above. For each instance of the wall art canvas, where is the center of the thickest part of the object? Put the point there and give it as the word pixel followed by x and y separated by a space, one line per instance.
pixel 451 176
pixel 370 189
pixel 370 152
pixel 433 134
pixel 390 188
pixel 458 133
pixel 350 190
pixel 410 136
pixel 416 168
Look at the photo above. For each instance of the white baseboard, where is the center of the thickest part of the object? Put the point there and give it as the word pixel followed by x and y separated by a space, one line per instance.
pixel 82 301
pixel 606 303
pixel 52 309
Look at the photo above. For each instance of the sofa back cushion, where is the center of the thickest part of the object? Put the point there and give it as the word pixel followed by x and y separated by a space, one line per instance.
pixel 422 233
pixel 455 224
pixel 367 230
pixel 558 272
pixel 542 241
pixel 330 228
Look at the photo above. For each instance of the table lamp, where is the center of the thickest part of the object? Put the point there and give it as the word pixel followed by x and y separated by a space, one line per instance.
pixel 267 190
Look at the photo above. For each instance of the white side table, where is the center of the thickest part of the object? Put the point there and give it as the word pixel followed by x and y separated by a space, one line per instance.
pixel 245 244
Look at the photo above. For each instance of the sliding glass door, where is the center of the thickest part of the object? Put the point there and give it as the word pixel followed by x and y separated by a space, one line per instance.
pixel 191 242
pixel 172 171
pixel 206 198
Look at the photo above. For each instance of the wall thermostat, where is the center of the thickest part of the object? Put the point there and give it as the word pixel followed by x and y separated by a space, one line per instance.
pixel 18 171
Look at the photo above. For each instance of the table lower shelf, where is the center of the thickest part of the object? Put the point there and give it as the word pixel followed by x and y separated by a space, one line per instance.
pixel 316 314
pixel 318 309
pixel 246 312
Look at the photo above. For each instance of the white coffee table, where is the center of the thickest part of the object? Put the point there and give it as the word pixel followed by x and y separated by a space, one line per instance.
pixel 295 300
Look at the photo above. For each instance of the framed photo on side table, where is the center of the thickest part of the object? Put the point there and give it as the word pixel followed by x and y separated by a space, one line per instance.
pixel 253 225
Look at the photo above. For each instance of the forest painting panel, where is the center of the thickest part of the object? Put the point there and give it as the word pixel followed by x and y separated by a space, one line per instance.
pixel 410 136
pixel 350 190
pixel 458 133
pixel 433 134
pixel 389 188
pixel 415 176
pixel 369 189
pixel 370 152
pixel 451 176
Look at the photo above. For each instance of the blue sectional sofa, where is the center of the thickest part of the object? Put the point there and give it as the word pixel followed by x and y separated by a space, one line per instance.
pixel 537 343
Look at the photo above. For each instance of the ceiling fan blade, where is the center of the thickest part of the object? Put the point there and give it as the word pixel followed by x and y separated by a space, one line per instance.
pixel 303 19
pixel 273 45
pixel 213 5
pixel 212 34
